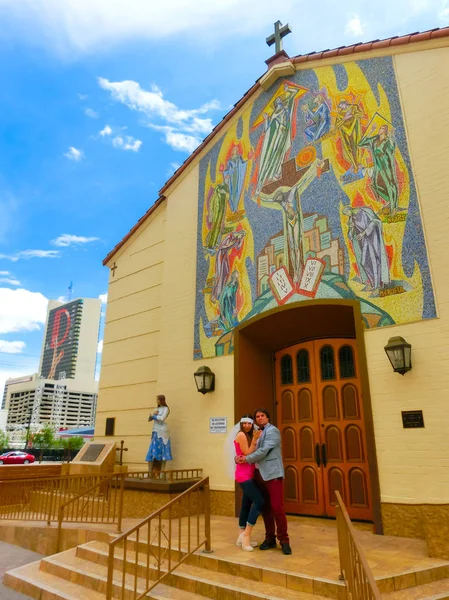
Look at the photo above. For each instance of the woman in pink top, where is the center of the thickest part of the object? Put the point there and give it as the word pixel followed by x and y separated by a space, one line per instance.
pixel 252 501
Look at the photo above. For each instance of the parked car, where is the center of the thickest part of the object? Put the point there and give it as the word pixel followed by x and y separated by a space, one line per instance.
pixel 16 458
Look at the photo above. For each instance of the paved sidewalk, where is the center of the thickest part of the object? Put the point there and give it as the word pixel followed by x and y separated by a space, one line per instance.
pixel 10 558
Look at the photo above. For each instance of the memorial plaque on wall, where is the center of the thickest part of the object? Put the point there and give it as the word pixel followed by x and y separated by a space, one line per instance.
pixel 92 453
pixel 411 419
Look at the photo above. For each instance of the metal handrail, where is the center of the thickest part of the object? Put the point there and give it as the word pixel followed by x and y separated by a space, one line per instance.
pixel 168 474
pixel 37 498
pixel 100 500
pixel 354 567
pixel 147 568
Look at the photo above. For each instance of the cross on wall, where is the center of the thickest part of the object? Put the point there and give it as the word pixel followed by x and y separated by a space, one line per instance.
pixel 113 268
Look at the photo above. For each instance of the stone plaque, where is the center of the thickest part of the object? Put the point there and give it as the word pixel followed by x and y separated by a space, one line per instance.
pixel 92 453
pixel 412 419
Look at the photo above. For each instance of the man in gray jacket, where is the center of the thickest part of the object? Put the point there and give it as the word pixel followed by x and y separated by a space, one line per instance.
pixel 269 476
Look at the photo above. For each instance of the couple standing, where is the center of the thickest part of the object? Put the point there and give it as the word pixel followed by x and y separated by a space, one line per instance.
pixel 259 471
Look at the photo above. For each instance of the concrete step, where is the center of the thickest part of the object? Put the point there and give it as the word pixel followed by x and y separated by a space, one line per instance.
pixel 55 582
pixel 434 590
pixel 31 581
pixel 213 584
pixel 98 552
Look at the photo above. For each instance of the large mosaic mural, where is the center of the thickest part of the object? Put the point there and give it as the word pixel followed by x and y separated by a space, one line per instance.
pixel 310 194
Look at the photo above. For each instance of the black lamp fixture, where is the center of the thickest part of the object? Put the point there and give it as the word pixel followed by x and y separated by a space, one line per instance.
pixel 205 380
pixel 399 353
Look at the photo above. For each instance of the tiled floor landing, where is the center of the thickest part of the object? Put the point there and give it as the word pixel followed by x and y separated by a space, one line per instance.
pixel 400 565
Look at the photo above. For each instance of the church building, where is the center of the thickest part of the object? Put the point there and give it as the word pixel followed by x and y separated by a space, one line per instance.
pixel 299 254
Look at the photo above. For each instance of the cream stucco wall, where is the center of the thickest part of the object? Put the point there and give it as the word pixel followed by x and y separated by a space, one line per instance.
pixel 148 342
pixel 129 372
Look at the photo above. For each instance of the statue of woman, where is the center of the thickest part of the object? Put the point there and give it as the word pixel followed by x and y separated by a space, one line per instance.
pixel 160 449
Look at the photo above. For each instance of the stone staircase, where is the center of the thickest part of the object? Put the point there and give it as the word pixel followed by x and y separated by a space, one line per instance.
pixel 81 574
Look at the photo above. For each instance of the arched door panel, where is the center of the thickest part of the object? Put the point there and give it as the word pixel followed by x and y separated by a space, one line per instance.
pixel 320 415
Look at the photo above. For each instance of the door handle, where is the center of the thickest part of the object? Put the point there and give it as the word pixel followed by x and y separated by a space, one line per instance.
pixel 317 454
pixel 323 454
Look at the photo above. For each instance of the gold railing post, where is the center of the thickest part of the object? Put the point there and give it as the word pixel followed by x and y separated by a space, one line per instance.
pixel 110 582
pixel 50 508
pixel 354 567
pixel 341 545
pixel 58 539
pixel 208 545
pixel 120 503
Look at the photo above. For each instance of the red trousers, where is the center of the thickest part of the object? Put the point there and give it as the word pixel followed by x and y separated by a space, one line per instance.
pixel 273 512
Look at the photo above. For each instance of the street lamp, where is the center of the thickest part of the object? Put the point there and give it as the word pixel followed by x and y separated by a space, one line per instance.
pixel 205 380
pixel 399 354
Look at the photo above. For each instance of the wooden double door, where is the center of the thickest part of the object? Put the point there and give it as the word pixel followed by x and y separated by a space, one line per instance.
pixel 320 416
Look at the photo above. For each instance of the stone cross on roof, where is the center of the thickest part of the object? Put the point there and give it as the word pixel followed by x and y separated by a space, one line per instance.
pixel 280 31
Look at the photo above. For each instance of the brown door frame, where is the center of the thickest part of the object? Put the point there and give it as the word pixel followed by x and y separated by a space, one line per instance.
pixel 253 351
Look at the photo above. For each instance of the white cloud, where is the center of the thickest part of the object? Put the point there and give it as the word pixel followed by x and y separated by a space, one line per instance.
pixel 83 96
pixel 178 140
pixel 127 143
pixel 183 128
pixel 4 273
pixel 12 347
pixel 152 103
pixel 89 112
pixel 66 239
pixel 26 254
pixel 100 347
pixel 73 27
pixel 13 372
pixel 103 298
pixel 9 281
pixel 22 310
pixel 105 131
pixel 443 15
pixel 74 154
pixel 354 26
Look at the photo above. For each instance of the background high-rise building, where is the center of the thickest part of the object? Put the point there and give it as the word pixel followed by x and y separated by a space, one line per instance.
pixel 70 339
pixel 64 391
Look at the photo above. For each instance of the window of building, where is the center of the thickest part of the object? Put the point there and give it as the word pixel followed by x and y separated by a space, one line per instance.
pixel 110 426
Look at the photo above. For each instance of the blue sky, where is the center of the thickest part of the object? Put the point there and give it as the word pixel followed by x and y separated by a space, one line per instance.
pixel 101 101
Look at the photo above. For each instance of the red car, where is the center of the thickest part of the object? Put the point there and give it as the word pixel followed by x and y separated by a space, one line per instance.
pixel 16 458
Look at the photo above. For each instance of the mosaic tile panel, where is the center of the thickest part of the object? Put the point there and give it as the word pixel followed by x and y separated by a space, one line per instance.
pixel 310 194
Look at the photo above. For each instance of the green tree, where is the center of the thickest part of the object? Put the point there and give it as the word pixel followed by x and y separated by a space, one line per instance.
pixel 44 440
pixel 4 440
pixel 71 445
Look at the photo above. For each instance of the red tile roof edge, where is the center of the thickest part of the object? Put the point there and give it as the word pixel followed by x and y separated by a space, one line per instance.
pixel 410 38
pixel 301 58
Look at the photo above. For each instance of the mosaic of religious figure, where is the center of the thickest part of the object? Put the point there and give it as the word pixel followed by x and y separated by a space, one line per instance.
pixel 216 214
pixel 234 175
pixel 276 137
pixel 317 115
pixel 310 194
pixel 366 235
pixel 384 179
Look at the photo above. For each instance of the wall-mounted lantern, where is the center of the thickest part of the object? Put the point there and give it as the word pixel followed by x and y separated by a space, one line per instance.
pixel 399 353
pixel 205 380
